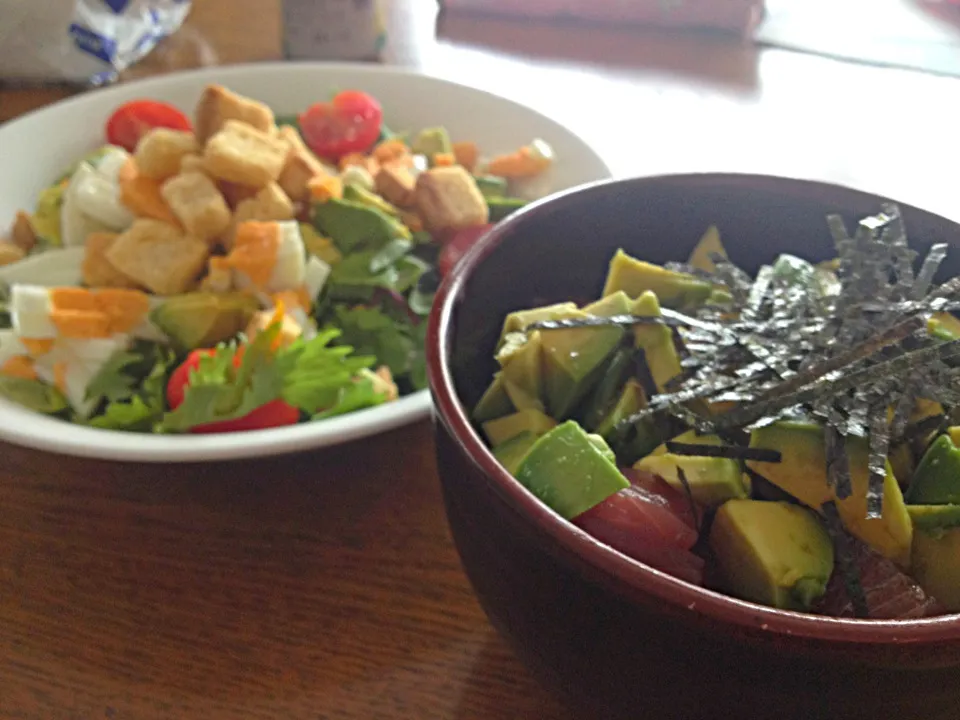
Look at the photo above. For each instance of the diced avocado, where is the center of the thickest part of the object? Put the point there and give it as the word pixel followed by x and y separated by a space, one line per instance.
pixel 709 243
pixel 502 429
pixel 520 358
pixel 673 289
pixel 772 553
pixel 46 218
pixel 432 141
pixel 370 199
pixel 944 326
pixel 491 186
pixel 521 398
pixel 656 341
pixel 802 472
pixel 617 370
pixel 935 559
pixel 600 444
pixel 631 401
pixel 501 207
pixel 317 244
pixel 568 472
pixel 712 480
pixel 573 360
pixel 512 452
pixel 353 225
pixel 520 319
pixel 618 303
pixel 937 479
pixel 494 403
pixel 203 319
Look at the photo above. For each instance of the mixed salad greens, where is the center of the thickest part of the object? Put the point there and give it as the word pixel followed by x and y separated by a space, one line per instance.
pixel 237 270
pixel 791 438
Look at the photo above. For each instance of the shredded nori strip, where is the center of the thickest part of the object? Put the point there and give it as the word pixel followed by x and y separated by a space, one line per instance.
pixel 731 452
pixel 689 493
pixel 845 564
pixel 841 347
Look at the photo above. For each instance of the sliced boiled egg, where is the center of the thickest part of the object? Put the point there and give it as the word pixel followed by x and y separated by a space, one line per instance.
pixel 91 202
pixel 268 256
pixel 71 365
pixel 40 313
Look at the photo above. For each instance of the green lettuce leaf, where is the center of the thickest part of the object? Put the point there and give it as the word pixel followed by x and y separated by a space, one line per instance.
pixel 370 331
pixel 136 398
pixel 358 395
pixel 306 374
pixel 33 394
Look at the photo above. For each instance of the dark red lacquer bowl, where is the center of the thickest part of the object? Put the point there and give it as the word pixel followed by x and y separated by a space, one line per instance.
pixel 618 638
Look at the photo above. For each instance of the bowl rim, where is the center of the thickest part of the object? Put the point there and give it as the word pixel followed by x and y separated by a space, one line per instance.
pixel 623 574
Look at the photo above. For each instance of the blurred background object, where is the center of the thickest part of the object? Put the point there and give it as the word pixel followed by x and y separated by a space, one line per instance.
pixel 333 30
pixel 81 42
pixel 739 16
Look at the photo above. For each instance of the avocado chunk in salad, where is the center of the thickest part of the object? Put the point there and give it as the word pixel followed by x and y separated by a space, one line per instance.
pixel 773 553
pixel 784 438
pixel 252 269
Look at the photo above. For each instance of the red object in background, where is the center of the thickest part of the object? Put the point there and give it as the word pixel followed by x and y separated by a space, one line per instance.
pixel 457 244
pixel 740 16
pixel 135 119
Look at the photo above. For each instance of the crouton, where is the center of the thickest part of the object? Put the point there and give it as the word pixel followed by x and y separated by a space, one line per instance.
pixel 161 150
pixel 219 277
pixel 270 203
pixel 10 253
pixel 141 195
pixel 245 155
pixel 448 198
pixel 198 204
pixel 301 166
pixel 23 235
pixel 192 162
pixel 235 193
pixel 218 105
pixel 97 271
pixel 159 256
pixel 396 184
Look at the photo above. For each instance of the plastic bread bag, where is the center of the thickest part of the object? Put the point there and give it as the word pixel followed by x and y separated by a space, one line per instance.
pixel 81 42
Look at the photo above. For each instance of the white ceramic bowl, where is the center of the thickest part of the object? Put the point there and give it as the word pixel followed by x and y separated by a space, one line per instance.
pixel 35 148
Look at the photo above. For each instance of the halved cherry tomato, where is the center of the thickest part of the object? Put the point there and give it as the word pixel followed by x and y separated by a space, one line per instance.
pixel 134 119
pixel 456 245
pixel 274 414
pixel 348 123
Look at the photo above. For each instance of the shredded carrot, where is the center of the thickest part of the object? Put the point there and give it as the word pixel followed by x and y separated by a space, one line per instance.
pixel 467 154
pixel 444 159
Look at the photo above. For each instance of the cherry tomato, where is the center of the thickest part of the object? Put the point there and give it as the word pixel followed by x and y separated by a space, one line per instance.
pixel 134 119
pixel 456 245
pixel 348 123
pixel 274 414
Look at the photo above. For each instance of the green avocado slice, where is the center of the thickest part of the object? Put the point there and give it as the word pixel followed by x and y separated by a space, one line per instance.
pixel 569 472
pixel 937 477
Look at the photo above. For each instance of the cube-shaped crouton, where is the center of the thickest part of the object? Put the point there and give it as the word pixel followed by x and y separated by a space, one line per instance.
pixel 270 203
pixel 301 166
pixel 192 162
pixel 245 155
pixel 97 270
pixel 448 198
pixel 217 105
pixel 160 152
pixel 396 183
pixel 159 257
pixel 198 204
pixel 234 193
